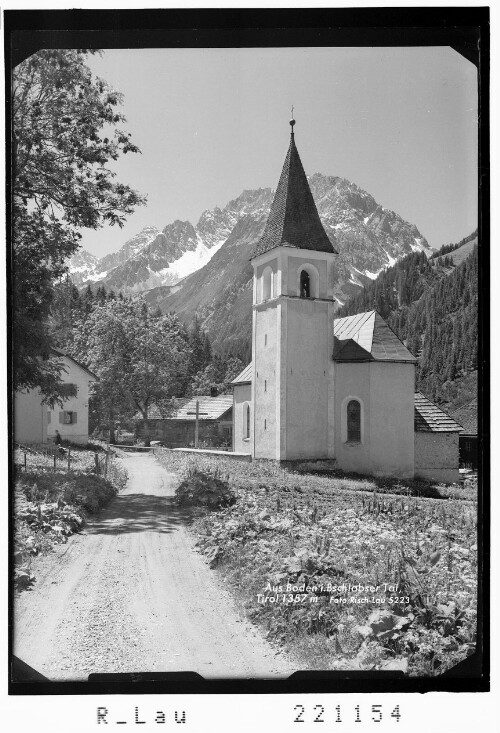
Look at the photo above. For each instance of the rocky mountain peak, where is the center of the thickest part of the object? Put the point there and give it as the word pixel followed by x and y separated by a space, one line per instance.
pixel 368 237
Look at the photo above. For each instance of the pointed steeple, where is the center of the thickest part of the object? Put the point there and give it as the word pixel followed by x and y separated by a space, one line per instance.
pixel 293 220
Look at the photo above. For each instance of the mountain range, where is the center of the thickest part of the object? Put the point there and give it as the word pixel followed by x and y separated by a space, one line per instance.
pixel 205 269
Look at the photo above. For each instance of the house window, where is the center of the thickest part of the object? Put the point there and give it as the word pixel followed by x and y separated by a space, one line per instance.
pixel 246 421
pixel 69 390
pixel 353 421
pixel 66 417
pixel 49 417
pixel 305 285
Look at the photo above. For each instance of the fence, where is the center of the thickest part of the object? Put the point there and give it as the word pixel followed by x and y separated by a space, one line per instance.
pixel 61 460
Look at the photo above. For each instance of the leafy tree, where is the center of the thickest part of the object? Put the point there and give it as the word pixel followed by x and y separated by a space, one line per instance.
pixel 218 376
pixel 64 133
pixel 140 359
pixel 66 309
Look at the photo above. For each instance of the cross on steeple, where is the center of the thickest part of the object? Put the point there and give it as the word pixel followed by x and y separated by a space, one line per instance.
pixel 292 122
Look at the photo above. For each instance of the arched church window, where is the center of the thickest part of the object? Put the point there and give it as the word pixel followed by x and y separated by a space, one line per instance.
pixel 305 284
pixel 353 421
pixel 246 420
pixel 267 284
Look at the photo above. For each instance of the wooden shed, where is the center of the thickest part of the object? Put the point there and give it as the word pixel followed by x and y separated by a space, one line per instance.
pixel 178 431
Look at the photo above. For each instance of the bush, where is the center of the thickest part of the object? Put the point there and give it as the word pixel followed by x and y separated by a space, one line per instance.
pixel 201 488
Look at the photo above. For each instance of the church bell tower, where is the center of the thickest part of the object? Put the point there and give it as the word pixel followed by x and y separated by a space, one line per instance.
pixel 292 336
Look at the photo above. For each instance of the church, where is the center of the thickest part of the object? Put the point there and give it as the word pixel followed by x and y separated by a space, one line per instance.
pixel 326 388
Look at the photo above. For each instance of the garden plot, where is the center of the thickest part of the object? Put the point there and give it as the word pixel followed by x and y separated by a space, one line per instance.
pixel 50 506
pixel 343 577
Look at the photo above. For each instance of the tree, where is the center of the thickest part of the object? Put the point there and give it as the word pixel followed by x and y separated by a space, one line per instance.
pixel 64 125
pixel 200 347
pixel 159 359
pixel 218 376
pixel 140 359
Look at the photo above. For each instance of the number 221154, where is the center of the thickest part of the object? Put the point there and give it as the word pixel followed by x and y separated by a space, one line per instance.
pixel 346 714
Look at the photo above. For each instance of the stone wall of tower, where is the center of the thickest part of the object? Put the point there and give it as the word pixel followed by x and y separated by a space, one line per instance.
pixel 292 389
pixel 305 376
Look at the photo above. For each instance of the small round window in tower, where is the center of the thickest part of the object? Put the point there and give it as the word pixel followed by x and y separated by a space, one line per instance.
pixel 305 285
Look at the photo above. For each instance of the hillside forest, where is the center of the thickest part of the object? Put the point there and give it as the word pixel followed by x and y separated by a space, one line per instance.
pixel 432 306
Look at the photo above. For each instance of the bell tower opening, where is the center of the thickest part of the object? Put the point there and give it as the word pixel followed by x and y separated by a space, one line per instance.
pixel 305 285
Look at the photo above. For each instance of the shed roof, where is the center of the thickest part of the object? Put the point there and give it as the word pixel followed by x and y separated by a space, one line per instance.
pixel 467 417
pixel 293 220
pixel 244 377
pixel 216 407
pixel 429 418
pixel 367 337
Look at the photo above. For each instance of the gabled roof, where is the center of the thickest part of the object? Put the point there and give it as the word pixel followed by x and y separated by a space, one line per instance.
pixel 244 377
pixel 467 417
pixel 367 337
pixel 293 220
pixel 429 418
pixel 214 407
pixel 58 352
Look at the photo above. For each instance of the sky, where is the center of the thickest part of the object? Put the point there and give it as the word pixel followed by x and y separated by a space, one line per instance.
pixel 401 123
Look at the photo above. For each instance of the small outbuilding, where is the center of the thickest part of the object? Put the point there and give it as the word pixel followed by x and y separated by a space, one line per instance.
pixel 215 424
pixel 467 442
pixel 436 442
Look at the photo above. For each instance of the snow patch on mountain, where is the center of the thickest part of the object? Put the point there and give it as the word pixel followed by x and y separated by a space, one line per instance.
pixel 373 275
pixel 367 236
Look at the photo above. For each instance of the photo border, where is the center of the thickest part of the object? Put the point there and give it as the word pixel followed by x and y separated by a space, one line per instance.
pixel 466 30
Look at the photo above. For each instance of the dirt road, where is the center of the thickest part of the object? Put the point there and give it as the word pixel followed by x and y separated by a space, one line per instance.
pixel 130 594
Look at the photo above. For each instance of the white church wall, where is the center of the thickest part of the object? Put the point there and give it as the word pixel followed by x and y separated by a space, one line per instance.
pixel 436 457
pixel 352 381
pixel 242 396
pixel 392 416
pixel 386 393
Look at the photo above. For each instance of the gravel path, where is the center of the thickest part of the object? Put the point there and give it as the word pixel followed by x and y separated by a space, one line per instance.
pixel 130 594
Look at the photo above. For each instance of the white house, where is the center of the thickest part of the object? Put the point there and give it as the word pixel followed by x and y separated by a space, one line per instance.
pixel 320 387
pixel 37 423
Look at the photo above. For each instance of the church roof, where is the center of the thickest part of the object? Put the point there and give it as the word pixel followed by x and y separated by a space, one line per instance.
pixel 429 418
pixel 244 377
pixel 367 337
pixel 293 220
